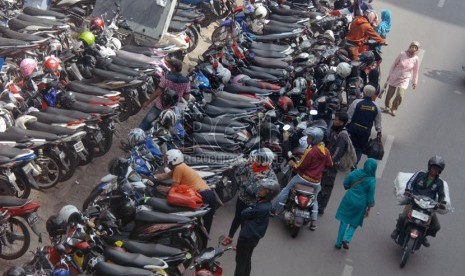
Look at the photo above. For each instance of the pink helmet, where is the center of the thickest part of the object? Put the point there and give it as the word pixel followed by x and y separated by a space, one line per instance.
pixel 27 67
pixel 239 79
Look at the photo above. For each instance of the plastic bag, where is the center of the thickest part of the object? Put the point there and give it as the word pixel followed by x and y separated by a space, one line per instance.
pixel 374 149
pixel 184 196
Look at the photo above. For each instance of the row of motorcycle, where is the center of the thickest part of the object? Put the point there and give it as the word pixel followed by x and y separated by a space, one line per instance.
pixel 254 87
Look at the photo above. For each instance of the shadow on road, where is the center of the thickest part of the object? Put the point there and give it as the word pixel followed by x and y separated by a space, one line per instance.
pixel 452 78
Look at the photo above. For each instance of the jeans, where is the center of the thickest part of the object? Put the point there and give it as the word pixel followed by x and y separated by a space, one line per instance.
pixel 151 116
pixel 208 197
pixel 240 206
pixel 346 232
pixel 327 184
pixel 297 179
pixel 244 250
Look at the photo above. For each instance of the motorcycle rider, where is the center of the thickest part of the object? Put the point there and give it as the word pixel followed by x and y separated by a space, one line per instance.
pixel 259 169
pixel 254 221
pixel 357 8
pixel 309 170
pixel 427 184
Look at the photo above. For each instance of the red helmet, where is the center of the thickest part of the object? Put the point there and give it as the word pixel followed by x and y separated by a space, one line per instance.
pixel 97 23
pixel 285 103
pixel 52 65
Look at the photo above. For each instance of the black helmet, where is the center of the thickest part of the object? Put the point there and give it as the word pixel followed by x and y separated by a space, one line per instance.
pixel 54 228
pixel 268 131
pixel 437 161
pixel 169 98
pixel 67 99
pixel 341 4
pixel 125 210
pixel 272 185
pixel 321 70
pixel 15 271
pixel 367 57
pixel 119 167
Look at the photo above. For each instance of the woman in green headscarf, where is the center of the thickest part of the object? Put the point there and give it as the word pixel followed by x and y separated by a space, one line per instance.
pixel 356 203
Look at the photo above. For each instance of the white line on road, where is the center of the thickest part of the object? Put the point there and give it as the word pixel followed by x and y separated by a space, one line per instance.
pixel 441 3
pixel 347 270
pixel 387 150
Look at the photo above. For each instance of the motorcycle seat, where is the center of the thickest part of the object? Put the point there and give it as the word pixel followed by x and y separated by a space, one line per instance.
pixel 304 189
pixel 274 28
pixel 258 75
pixel 40 12
pixel 151 249
pixel 15 134
pixel 185 6
pixel 180 19
pixel 215 139
pixel 7 42
pixel 14 153
pixel 270 62
pixel 17 24
pixel 120 69
pixel 222 122
pixel 90 108
pixel 274 37
pixel 7 33
pixel 130 64
pixel 40 134
pixel 215 111
pixel 161 205
pixel 93 99
pixel 71 114
pixel 177 27
pixel 233 88
pixel 131 259
pixel 109 75
pixel 291 26
pixel 187 14
pixel 286 18
pixel 200 152
pixel 268 47
pixel 152 62
pixel 57 130
pixel 268 54
pixel 37 20
pixel 48 118
pixel 158 217
pixel 263 85
pixel 108 269
pixel 199 127
pixel 11 201
pixel 89 89
pixel 217 101
pixel 280 73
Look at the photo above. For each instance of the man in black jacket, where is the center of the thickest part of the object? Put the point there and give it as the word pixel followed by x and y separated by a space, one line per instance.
pixel 427 184
pixel 338 141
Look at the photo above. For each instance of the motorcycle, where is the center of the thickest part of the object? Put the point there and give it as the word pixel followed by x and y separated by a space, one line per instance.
pixel 206 263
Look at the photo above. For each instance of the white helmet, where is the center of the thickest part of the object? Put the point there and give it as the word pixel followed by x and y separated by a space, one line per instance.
pixel 330 35
pixel 135 137
pixel 343 69
pixel 114 44
pixel 263 156
pixel 54 47
pixel 67 214
pixel 174 157
pixel 369 91
pixel 167 118
pixel 224 74
pixel 300 83
pixel 260 12
pixel 23 120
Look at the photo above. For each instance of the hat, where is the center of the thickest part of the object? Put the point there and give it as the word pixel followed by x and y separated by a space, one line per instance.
pixel 369 91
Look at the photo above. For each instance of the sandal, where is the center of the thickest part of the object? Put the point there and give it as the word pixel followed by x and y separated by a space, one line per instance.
pixel 227 241
pixel 312 226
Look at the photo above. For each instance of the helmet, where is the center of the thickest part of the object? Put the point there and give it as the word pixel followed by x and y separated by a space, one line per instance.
pixel 97 24
pixel 23 120
pixel 167 118
pixel 174 157
pixel 300 83
pixel 54 46
pixel 87 37
pixel 224 74
pixel 125 210
pixel 114 44
pixel 329 34
pixel 54 228
pixel 239 79
pixel 285 103
pixel 316 134
pixel 135 137
pixel 60 271
pixel 27 67
pixel 262 157
pixel 369 91
pixel 272 185
pixel 169 98
pixel 203 272
pixel 15 271
pixel 67 99
pixel 52 64
pixel 343 69
pixel 367 57
pixel 437 161
pixel 260 12
pixel 69 214
pixel 371 16
pixel 340 4
pixel 118 166
pixel 321 70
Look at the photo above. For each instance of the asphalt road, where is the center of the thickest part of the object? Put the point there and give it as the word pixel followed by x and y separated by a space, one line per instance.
pixel 429 122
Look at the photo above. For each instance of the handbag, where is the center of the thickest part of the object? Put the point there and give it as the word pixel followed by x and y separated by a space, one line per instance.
pixel 374 149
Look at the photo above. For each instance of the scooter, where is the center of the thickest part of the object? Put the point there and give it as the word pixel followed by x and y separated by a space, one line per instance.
pixel 206 264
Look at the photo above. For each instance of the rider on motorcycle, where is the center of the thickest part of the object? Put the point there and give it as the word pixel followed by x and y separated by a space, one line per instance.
pixel 426 184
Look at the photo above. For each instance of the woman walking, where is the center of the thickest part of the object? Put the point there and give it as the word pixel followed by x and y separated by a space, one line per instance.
pixel 357 202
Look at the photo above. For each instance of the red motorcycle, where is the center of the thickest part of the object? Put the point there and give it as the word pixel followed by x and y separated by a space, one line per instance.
pixel 13 231
pixel 206 263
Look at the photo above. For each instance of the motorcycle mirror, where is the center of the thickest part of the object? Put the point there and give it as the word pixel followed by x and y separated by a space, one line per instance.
pixel 286 127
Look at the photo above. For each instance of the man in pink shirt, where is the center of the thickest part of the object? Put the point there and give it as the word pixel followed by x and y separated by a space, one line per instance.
pixel 404 68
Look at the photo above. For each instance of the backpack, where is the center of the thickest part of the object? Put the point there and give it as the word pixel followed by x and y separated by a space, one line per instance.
pixel 349 158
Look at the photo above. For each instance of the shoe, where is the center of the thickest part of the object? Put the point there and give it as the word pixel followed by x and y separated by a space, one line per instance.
pixel 426 242
pixel 312 226
pixel 337 246
pixel 227 241
pixel 394 234
pixel 345 244
pixel 386 109
pixel 393 113
pixel 321 211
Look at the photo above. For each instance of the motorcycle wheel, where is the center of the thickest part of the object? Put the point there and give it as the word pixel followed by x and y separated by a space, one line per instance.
pixel 90 152
pixel 194 39
pixel 49 163
pixel 92 198
pixel 7 190
pixel 105 144
pixel 222 9
pixel 294 231
pixel 221 34
pixel 71 162
pixel 126 107
pixel 15 233
pixel 408 248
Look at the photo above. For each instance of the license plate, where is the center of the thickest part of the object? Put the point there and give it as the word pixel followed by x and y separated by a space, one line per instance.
pixel 302 213
pixel 98 137
pixel 420 216
pixel 79 146
pixel 32 218
pixel 181 268
pixel 27 168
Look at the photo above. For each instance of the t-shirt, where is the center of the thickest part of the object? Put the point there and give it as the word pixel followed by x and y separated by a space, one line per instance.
pixel 177 82
pixel 184 174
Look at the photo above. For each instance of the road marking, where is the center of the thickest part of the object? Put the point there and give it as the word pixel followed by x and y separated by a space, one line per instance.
pixel 347 270
pixel 387 150
pixel 441 3
pixel 457 92
pixel 421 54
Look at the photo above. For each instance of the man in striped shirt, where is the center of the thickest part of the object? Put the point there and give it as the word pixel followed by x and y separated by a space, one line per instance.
pixel 171 81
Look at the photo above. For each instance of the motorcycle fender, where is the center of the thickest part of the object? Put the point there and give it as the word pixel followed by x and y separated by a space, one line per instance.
pixel 298 221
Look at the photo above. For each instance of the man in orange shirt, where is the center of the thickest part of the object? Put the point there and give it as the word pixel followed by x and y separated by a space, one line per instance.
pixel 183 174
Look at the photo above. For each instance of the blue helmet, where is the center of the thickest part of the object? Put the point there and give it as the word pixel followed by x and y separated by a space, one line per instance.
pixel 61 271
pixel 316 134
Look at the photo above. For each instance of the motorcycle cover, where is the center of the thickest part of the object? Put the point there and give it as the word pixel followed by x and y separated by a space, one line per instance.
pixel 184 196
pixel 401 182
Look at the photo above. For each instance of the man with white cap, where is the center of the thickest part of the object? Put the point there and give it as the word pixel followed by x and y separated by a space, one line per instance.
pixel 363 114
